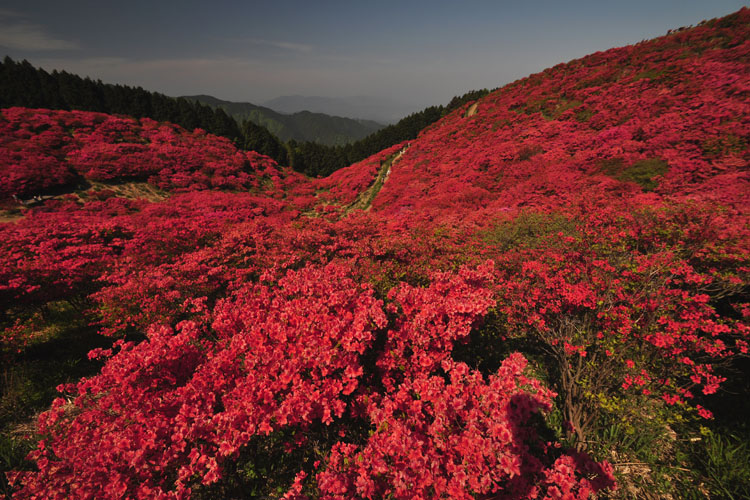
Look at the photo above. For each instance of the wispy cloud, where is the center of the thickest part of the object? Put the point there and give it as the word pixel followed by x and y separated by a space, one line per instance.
pixel 19 34
pixel 281 44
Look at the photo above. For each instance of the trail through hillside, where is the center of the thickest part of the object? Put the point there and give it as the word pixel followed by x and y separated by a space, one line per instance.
pixel 127 190
pixel 365 198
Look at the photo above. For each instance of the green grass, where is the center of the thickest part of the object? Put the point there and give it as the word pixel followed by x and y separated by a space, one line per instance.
pixel 28 381
pixel 583 115
pixel 528 230
pixel 724 461
pixel 650 74
pixel 717 147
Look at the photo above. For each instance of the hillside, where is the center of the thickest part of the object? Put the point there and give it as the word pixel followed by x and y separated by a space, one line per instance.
pixel 299 126
pixel 667 117
pixel 545 294
pixel 46 152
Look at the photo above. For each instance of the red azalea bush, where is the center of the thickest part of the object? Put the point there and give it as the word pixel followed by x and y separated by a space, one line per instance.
pixel 187 400
pixel 668 115
pixel 43 150
pixel 460 439
pixel 630 302
pixel 190 399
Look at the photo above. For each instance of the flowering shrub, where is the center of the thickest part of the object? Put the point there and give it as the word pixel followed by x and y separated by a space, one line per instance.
pixel 674 108
pixel 628 302
pixel 187 400
pixel 434 439
pixel 43 150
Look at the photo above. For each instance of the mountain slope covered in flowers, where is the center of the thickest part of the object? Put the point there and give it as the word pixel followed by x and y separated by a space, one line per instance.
pixel 668 117
pixel 545 295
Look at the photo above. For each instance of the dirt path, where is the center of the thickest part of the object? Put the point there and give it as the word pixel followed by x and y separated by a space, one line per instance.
pixel 129 190
pixel 472 110
pixel 132 190
pixel 11 215
pixel 365 198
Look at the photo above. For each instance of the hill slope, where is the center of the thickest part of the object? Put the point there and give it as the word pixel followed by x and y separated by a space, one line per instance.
pixel 299 126
pixel 544 295
pixel 665 117
pixel 44 152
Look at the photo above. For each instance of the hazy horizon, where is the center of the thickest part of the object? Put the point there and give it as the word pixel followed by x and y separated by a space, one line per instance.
pixel 418 54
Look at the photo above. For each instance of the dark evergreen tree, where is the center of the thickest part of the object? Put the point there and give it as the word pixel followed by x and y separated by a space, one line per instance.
pixel 257 138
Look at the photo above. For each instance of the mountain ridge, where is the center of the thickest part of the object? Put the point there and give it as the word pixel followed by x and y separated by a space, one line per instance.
pixel 299 126
pixel 356 107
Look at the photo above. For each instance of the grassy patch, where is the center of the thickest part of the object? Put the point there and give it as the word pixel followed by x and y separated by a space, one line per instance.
pixel 528 152
pixel 643 172
pixel 723 462
pixel 717 147
pixel 28 381
pixel 551 109
pixel 528 230
pixel 650 74
pixel 583 115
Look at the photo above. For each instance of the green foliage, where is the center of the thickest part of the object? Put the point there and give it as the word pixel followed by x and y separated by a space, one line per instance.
pixel 527 230
pixel 528 152
pixel 643 172
pixel 267 465
pixel 550 108
pixel 13 451
pixel 584 114
pixel 716 147
pixel 650 74
pixel 29 380
pixel 259 139
pixel 642 452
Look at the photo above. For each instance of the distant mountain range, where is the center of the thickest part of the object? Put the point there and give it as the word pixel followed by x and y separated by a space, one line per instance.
pixel 358 107
pixel 298 125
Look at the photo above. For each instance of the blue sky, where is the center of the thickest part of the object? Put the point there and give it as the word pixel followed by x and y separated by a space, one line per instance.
pixel 414 52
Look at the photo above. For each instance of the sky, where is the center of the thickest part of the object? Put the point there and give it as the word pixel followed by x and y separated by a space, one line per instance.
pixel 416 53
